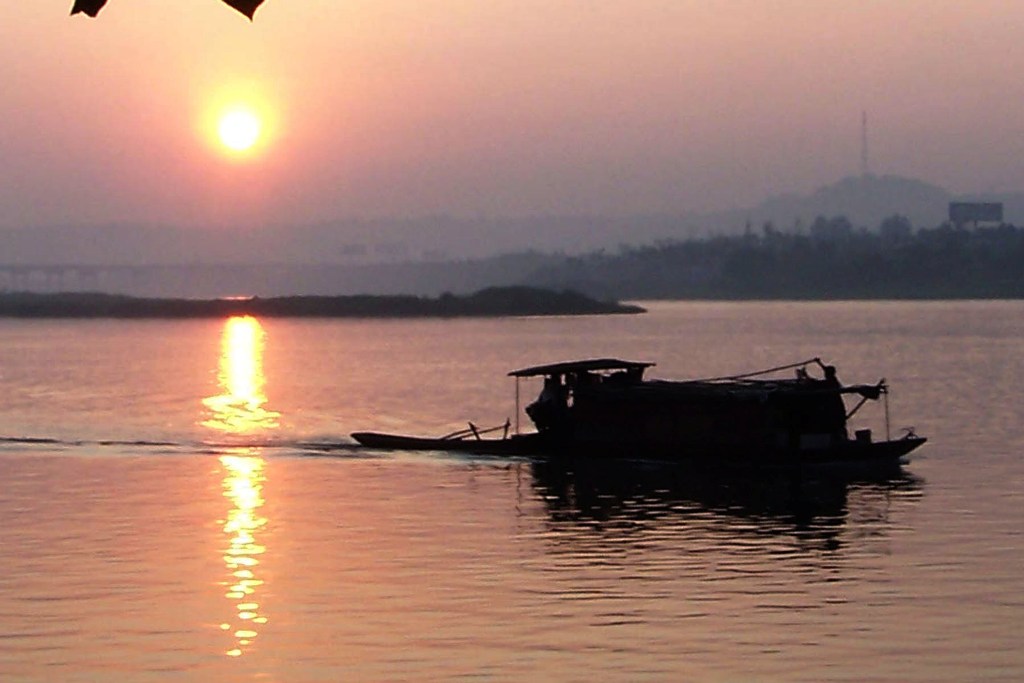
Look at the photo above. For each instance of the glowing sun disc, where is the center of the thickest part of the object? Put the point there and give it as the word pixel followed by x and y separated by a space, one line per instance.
pixel 239 129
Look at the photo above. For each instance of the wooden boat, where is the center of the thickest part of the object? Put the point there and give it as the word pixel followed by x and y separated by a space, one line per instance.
pixel 469 440
pixel 605 408
pixel 515 444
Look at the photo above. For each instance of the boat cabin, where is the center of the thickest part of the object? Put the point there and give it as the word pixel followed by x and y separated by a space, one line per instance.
pixel 563 382
pixel 607 403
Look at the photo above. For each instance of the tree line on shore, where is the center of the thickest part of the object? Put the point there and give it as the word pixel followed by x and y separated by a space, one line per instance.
pixel 830 260
pixel 489 302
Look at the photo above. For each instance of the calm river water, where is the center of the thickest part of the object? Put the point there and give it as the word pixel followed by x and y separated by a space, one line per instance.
pixel 180 501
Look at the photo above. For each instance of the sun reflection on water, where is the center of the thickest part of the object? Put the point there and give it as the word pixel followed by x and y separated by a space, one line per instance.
pixel 239 409
pixel 243 486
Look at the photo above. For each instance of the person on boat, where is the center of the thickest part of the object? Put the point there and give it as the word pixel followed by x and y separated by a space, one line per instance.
pixel 836 414
pixel 548 411
pixel 553 391
pixel 816 408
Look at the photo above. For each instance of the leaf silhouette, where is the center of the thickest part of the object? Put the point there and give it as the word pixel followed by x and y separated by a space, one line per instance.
pixel 93 7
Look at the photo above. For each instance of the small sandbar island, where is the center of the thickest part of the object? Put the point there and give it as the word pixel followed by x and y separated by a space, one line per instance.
pixel 491 302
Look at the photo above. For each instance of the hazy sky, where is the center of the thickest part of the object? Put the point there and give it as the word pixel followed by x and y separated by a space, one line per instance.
pixel 496 107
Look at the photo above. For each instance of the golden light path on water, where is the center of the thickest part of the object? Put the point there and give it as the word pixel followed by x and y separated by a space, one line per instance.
pixel 243 486
pixel 240 410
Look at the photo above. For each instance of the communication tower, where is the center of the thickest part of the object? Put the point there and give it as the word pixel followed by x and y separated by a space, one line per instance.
pixel 864 168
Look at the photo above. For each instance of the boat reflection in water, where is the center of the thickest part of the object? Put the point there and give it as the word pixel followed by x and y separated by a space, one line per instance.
pixel 813 505
pixel 240 407
pixel 240 410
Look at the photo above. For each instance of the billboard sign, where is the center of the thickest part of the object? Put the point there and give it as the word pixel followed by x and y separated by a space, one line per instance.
pixel 975 212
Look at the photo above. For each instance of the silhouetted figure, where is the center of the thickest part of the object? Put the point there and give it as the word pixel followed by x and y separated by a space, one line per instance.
pixel 836 407
pixel 93 7
pixel 548 411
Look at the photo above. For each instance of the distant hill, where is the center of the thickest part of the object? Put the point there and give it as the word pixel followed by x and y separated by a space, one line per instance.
pixel 865 200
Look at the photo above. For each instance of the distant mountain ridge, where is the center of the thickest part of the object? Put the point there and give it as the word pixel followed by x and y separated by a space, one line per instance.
pixel 865 200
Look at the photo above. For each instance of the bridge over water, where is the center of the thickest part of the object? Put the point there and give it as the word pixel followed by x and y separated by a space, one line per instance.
pixel 180 280
pixel 62 277
pixel 77 277
pixel 210 280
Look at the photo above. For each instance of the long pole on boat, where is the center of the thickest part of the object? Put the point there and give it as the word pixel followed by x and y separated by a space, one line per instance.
pixel 888 436
pixel 517 405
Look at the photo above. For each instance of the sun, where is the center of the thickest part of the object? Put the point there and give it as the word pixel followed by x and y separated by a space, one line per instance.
pixel 239 129
pixel 240 120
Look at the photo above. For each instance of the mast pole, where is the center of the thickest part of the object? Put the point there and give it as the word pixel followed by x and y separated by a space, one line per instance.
pixel 888 436
pixel 864 168
pixel 517 405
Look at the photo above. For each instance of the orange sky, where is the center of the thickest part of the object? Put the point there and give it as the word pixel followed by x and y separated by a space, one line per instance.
pixel 503 107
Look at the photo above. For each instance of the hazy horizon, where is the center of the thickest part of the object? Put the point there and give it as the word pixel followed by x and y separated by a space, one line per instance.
pixel 496 110
pixel 866 201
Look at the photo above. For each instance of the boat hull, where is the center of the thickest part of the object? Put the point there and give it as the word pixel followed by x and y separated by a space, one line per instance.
pixel 537 444
pixel 520 444
pixel 839 452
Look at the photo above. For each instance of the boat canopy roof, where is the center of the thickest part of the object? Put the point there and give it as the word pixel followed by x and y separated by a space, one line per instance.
pixel 591 365
pixel 748 384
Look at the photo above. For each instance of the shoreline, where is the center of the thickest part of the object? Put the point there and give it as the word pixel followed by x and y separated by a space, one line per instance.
pixel 492 302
